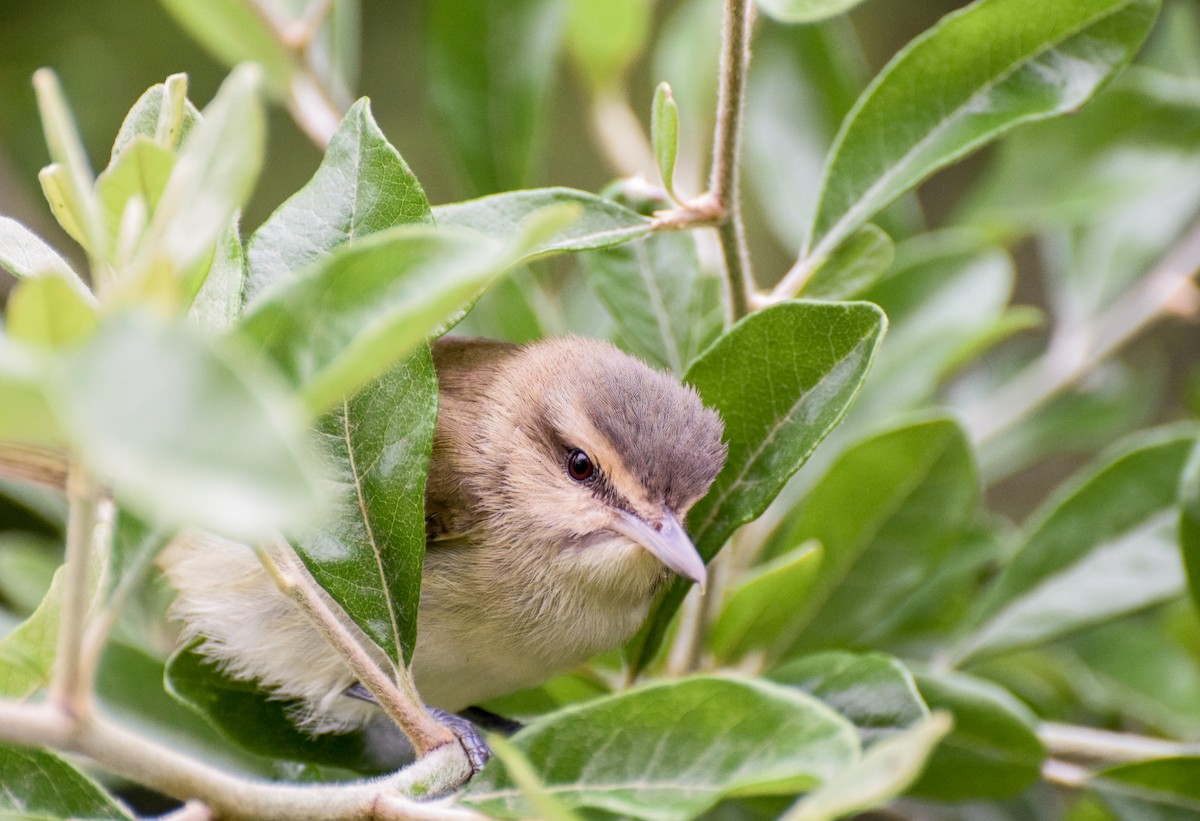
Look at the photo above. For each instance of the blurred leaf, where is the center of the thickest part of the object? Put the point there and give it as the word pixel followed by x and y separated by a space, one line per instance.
pixel 219 301
pixel 26 412
pixel 238 32
pixel 337 325
pixel 163 114
pixel 48 312
pixel 876 692
pixel 957 85
pixel 760 612
pixel 518 768
pixel 491 69
pixel 776 410
pixel 602 223
pixel 885 771
pixel 805 11
pixel 1189 523
pixel 1103 546
pixel 25 254
pixel 670 750
pixel 606 38
pixel 70 173
pixel 854 266
pixel 992 752
pixel 27 564
pixel 667 307
pixel 368 555
pixel 40 785
pixel 66 206
pixel 664 134
pixel 362 186
pixel 27 653
pixel 139 172
pixel 569 688
pixel 1166 789
pixel 185 432
pixel 888 513
pixel 242 712
pixel 135 544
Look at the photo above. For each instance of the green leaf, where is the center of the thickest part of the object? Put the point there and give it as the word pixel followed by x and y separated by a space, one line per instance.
pixel 1166 789
pixel 248 716
pixel 27 564
pixel 39 784
pixel 876 692
pixel 602 223
pixel 805 11
pixel 236 33
pixel 1105 545
pixel 339 324
pixel 135 544
pixel 914 490
pixel 186 433
pixel 518 768
pixel 1189 523
pixel 761 610
pixel 605 39
pixel 163 113
pixel 670 750
pixel 369 556
pixel 25 254
pixel 68 207
pixel 776 409
pixel 491 71
pixel 853 266
pixel 27 653
pixel 975 74
pixel 26 412
pixel 885 771
pixel 667 307
pixel 70 170
pixel 48 312
pixel 218 304
pixel 992 752
pixel 664 134
pixel 362 186
pixel 140 172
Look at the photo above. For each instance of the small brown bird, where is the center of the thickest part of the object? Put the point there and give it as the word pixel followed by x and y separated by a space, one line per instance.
pixel 560 476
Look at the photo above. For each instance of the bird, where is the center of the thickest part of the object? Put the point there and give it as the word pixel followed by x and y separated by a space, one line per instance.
pixel 559 482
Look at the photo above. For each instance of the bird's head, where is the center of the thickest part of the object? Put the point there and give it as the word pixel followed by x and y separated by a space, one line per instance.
pixel 606 449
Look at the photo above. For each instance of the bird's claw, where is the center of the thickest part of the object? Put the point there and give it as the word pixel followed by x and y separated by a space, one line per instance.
pixel 477 750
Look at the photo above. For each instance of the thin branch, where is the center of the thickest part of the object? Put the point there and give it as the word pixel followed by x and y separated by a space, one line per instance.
pixel 1075 352
pixel 723 184
pixel 1068 740
pixel 128 754
pixel 621 136
pixel 404 708
pixel 1065 774
pixel 44 467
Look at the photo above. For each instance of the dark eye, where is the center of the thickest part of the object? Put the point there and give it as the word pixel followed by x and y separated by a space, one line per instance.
pixel 579 465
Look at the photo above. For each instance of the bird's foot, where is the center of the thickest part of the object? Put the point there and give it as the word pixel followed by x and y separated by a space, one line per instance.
pixel 477 750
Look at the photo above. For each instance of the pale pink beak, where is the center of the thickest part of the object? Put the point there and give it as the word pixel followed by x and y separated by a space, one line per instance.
pixel 666 540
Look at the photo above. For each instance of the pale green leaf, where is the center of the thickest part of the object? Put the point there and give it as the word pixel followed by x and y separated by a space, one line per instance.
pixel 805 11
pixel 664 134
pixel 27 653
pixel 139 172
pixel 39 784
pixel 219 301
pixel 26 411
pixel 163 113
pixel 605 38
pixel 25 254
pixel 48 312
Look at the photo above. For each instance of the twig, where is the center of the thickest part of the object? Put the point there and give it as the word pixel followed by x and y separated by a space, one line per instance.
pixel 44 467
pixel 1104 745
pixel 620 134
pixel 1065 774
pixel 125 753
pixel 731 100
pixel 401 705
pixel 1076 351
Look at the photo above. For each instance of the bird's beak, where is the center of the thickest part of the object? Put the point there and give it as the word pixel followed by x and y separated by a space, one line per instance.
pixel 667 540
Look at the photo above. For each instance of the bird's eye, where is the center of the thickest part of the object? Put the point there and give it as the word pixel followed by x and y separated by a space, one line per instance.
pixel 580 466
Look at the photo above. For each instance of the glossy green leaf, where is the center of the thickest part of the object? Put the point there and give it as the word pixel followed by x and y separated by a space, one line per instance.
pixel 760 613
pixel 369 555
pixel 27 653
pixel 235 32
pixel 25 254
pixel 342 322
pixel 1166 789
pixel 854 266
pixel 602 223
pixel 1103 546
pixel 248 716
pixel 992 752
pixel 776 411
pixel 671 750
pixel 48 312
pixel 1189 524
pixel 805 11
pixel 664 134
pixel 876 692
pixel 186 433
pixel 40 785
pixel 958 85
pixel 163 113
pixel 605 38
pixel 362 186
pixel 490 88
pixel 667 308
pixel 888 513
pixel 885 771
